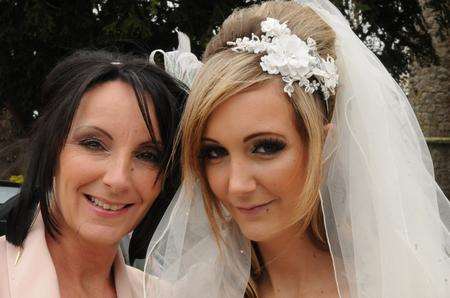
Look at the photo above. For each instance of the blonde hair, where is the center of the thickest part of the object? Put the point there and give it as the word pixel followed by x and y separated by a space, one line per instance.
pixel 227 73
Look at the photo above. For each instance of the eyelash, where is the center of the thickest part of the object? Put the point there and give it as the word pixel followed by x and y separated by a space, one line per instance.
pixel 150 155
pixel 271 146
pixel 207 152
pixel 92 144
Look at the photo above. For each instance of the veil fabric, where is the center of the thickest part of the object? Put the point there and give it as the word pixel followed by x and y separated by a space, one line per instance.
pixel 387 221
pixel 180 63
pixel 184 260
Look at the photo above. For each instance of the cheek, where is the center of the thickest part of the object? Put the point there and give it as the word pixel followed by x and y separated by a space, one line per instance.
pixel 75 170
pixel 216 178
pixel 285 176
pixel 148 185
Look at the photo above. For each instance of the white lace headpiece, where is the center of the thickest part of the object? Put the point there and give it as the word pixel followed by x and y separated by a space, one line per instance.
pixel 291 57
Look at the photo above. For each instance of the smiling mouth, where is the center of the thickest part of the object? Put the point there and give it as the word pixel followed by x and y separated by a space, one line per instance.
pixel 254 208
pixel 105 206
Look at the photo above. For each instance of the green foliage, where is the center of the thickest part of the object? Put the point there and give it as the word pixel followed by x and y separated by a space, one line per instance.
pixel 400 25
pixel 35 34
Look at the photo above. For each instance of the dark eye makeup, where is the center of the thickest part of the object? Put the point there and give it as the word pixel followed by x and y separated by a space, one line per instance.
pixel 264 147
pixel 210 152
pixel 268 146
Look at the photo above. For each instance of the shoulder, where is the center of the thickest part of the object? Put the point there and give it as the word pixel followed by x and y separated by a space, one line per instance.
pixel 2 244
pixel 134 275
pixel 2 252
pixel 6 249
pixel 4 275
pixel 154 286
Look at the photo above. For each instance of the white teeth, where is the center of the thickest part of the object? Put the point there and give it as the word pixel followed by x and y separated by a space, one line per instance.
pixel 110 207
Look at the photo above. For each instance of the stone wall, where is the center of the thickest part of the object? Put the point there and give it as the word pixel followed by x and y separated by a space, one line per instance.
pixel 429 96
pixel 441 161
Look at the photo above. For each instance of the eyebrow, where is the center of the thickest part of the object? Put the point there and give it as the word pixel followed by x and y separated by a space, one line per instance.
pixel 151 144
pixel 102 131
pixel 258 134
pixel 83 127
pixel 209 140
pixel 247 138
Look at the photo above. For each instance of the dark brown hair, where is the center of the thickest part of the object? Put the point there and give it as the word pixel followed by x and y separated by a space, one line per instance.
pixel 62 91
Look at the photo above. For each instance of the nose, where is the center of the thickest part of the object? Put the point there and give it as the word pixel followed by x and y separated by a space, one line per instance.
pixel 241 180
pixel 117 173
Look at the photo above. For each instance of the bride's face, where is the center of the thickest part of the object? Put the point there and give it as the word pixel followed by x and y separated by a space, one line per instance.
pixel 255 160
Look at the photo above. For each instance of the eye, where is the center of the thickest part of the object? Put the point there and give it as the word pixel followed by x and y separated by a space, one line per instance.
pixel 210 152
pixel 268 146
pixel 92 144
pixel 150 155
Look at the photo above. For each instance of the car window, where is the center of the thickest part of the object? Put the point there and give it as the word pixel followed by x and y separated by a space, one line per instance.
pixel 7 192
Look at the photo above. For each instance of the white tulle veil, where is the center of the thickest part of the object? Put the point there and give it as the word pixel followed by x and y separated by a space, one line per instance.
pixel 387 221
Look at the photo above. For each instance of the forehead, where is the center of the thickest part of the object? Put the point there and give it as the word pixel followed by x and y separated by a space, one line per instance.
pixel 108 98
pixel 113 103
pixel 264 108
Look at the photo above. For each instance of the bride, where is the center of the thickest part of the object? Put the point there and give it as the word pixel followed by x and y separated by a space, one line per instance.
pixel 305 171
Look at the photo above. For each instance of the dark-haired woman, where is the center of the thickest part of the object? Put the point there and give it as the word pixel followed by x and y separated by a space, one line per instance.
pixel 96 172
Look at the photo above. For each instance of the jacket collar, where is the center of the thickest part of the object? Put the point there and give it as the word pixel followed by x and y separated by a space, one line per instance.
pixel 31 269
pixel 32 272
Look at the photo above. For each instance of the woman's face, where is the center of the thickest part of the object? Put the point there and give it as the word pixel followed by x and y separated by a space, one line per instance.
pixel 107 175
pixel 255 160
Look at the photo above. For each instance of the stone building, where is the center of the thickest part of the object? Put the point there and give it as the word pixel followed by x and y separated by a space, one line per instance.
pixel 430 97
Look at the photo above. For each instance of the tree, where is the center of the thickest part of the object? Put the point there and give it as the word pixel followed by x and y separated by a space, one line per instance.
pixel 401 28
pixel 36 34
pixel 407 35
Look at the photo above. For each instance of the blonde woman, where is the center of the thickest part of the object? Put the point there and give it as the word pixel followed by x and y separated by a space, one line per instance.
pixel 305 171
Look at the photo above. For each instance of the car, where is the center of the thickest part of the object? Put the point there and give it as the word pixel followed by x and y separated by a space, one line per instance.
pixel 8 195
pixel 8 190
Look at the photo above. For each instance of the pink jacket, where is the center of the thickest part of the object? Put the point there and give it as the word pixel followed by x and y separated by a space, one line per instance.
pixel 33 275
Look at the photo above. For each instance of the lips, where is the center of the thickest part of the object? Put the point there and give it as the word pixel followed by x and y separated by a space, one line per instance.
pixel 253 207
pixel 105 205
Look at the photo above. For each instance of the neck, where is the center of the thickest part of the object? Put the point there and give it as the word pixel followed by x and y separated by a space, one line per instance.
pixel 84 265
pixel 294 265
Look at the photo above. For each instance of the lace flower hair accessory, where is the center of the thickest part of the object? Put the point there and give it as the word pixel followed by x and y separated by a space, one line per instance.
pixel 291 57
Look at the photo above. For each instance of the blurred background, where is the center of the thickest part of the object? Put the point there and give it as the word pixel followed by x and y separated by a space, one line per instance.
pixel 411 37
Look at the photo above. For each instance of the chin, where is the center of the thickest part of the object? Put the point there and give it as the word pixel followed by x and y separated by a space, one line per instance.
pixel 100 235
pixel 255 233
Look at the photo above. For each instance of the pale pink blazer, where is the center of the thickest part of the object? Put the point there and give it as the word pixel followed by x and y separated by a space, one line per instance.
pixel 33 274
